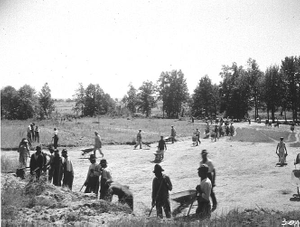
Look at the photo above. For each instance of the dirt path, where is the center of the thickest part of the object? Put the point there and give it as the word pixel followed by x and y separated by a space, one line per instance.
pixel 246 172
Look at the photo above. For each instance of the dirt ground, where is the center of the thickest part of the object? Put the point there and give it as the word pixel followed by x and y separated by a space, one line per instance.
pixel 246 173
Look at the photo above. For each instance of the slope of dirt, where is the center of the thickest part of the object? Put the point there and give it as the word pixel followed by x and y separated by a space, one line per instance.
pixel 246 173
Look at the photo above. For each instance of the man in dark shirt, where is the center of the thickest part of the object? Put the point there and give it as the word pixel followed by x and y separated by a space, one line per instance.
pixel 36 162
pixel 162 146
pixel 161 186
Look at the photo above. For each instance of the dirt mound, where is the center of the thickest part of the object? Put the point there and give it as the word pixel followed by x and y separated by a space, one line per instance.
pixel 40 203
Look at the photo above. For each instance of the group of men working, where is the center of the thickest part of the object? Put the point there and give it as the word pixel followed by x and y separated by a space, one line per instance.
pixel 161 185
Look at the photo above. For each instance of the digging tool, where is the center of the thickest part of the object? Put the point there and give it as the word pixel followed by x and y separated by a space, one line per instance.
pixel 156 196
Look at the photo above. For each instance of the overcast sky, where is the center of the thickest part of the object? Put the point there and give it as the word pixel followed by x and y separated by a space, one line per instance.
pixel 115 43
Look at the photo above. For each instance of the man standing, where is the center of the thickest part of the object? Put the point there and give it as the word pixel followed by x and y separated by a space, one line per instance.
pixel 29 134
pixel 55 138
pixel 281 151
pixel 203 193
pixel 56 165
pixel 173 134
pixel 98 144
pixel 105 179
pixel 23 153
pixel 162 146
pixel 211 174
pixel 198 137
pixel 36 162
pixel 92 178
pixel 161 185
pixel 68 170
pixel 50 164
pixel 37 134
pixel 138 139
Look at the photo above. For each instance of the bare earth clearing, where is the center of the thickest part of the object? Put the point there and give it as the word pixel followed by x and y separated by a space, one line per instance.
pixel 246 172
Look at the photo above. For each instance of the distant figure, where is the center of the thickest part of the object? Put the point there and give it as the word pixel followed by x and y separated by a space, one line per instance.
pixel 105 179
pixel 29 134
pixel 24 153
pixel 37 162
pixel 192 119
pixel 122 191
pixel 68 170
pixel 231 129
pixel 281 151
pixel 98 144
pixel 92 178
pixel 162 147
pixel 203 193
pixel 161 185
pixel 293 126
pixel 37 134
pixel 138 139
pixel 32 131
pixel 55 138
pixel 197 133
pixel 173 134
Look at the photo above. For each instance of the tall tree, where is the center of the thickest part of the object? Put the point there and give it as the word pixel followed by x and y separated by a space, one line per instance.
pixel 9 103
pixel 203 98
pixel 27 101
pixel 130 99
pixel 79 98
pixel 146 97
pixel 235 92
pixel 273 89
pixel 254 78
pixel 45 101
pixel 290 67
pixel 173 92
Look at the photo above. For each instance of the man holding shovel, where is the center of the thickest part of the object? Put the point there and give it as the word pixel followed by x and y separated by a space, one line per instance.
pixel 161 186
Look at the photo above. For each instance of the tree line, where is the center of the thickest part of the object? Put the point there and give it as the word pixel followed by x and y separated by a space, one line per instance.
pixel 241 89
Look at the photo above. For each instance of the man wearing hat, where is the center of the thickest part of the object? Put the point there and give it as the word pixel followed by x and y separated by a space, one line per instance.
pixel 56 165
pixel 105 179
pixel 36 162
pixel 173 134
pixel 203 193
pixel 211 174
pixel 92 178
pixel 98 144
pixel 161 185
pixel 281 151
pixel 138 139
pixel 68 170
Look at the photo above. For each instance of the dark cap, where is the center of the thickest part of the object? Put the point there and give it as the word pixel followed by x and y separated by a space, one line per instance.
pixel 281 138
pixel 92 157
pixel 103 161
pixel 64 151
pixel 204 152
pixel 157 168
pixel 38 148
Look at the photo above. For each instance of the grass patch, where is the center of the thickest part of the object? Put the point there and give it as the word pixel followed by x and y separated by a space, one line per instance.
pixel 250 135
pixel 8 164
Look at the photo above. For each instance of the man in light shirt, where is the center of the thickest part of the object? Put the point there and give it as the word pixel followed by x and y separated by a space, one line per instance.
pixel 98 144
pixel 203 193
pixel 68 170
pixel 211 175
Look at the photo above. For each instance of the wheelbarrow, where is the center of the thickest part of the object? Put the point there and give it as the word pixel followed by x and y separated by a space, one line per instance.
pixel 185 199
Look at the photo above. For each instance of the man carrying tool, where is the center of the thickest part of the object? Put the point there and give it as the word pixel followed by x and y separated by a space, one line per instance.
pixel 161 185
pixel 92 178
pixel 36 162
pixel 211 175
pixel 203 193
pixel 105 179
pixel 173 134
pixel 138 139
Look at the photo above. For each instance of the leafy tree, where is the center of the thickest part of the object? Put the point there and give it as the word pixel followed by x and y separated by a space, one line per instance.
pixel 235 92
pixel 203 98
pixel 45 101
pixel 79 98
pixel 9 103
pixel 146 98
pixel 131 99
pixel 27 101
pixel 290 67
pixel 273 89
pixel 254 78
pixel 173 92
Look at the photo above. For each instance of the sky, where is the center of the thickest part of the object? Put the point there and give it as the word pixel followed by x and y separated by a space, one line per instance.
pixel 116 43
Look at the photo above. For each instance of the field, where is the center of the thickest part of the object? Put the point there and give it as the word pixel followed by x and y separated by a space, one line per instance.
pixel 247 178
